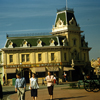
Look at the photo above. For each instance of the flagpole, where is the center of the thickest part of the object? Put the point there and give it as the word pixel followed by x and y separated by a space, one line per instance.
pixel 66 4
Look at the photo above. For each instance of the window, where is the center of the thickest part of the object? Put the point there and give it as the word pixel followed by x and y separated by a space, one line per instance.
pixel 52 56
pixel 23 58
pixel 39 57
pixel 84 56
pixel 27 57
pixel 11 58
pixel 65 56
pixel 74 42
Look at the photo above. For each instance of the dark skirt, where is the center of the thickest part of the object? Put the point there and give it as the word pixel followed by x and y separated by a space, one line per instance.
pixel 1 94
pixel 50 90
pixel 33 92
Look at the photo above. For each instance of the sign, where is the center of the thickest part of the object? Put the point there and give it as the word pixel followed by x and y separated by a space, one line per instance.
pixel 32 65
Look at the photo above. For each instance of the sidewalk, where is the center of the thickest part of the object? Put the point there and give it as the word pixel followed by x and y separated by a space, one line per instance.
pixel 61 93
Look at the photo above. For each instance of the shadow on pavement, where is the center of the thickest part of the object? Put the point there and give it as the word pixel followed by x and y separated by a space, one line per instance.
pixel 8 92
pixel 66 98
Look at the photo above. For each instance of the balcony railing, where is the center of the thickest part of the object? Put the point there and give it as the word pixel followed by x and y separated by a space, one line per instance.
pixel 69 9
pixel 28 34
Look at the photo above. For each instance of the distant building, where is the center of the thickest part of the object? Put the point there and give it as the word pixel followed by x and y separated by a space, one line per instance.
pixel 1 68
pixel 96 65
pixel 44 53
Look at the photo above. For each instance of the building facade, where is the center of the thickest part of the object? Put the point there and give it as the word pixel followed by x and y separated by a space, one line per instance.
pixel 65 50
pixel 1 68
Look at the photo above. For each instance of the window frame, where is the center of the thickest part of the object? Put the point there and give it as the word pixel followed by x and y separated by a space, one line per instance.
pixel 65 57
pixel 23 59
pixel 74 42
pixel 11 58
pixel 52 57
pixel 27 57
pixel 39 57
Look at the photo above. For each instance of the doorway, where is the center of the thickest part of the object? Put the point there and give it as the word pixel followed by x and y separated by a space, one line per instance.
pixel 26 74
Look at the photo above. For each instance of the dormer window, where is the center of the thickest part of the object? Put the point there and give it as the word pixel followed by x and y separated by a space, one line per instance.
pixel 72 22
pixel 39 43
pixel 52 42
pixel 10 44
pixel 59 23
pixel 64 41
pixel 25 43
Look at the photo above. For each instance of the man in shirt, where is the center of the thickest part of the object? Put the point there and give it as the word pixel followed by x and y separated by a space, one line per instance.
pixel 20 86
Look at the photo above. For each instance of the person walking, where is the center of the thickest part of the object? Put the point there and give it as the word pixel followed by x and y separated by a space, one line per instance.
pixel 4 80
pixel 33 86
pixel 20 86
pixel 50 84
pixel 1 94
pixel 65 77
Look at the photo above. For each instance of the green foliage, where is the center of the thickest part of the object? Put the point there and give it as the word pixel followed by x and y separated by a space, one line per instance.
pixel 72 85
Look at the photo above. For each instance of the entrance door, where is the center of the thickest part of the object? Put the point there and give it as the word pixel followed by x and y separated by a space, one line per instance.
pixel 26 75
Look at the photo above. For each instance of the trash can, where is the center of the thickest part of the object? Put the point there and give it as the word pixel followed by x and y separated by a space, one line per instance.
pixel 13 81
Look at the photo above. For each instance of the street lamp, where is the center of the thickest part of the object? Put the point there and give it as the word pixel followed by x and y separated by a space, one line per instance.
pixel 21 69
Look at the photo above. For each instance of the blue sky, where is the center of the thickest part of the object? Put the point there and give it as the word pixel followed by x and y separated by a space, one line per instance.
pixel 38 16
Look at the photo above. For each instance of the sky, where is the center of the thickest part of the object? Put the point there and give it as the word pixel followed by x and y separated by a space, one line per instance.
pixel 38 16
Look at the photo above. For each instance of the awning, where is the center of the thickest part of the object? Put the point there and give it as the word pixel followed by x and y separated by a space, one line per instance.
pixel 40 69
pixel 68 68
pixel 11 70
pixel 53 69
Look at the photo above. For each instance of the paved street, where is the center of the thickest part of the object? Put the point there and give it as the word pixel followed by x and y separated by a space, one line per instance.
pixel 60 93
pixel 8 90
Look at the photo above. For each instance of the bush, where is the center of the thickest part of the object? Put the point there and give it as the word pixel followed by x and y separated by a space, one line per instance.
pixel 72 85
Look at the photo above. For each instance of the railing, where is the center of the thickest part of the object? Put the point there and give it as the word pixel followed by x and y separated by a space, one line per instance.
pixel 69 9
pixel 28 34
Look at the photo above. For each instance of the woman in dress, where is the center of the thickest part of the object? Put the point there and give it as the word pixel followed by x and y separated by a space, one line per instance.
pixel 34 86
pixel 50 84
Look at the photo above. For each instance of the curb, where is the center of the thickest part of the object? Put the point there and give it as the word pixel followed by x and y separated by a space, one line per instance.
pixel 8 98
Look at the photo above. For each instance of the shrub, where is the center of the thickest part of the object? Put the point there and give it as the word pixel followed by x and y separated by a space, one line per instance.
pixel 72 85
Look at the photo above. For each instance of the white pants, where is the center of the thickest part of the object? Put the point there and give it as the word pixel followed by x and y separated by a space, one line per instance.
pixel 21 93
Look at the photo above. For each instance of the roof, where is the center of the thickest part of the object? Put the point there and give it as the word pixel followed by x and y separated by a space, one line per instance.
pixel 32 41
pixel 65 16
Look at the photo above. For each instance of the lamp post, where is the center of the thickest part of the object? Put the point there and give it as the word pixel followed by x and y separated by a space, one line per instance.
pixel 21 68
